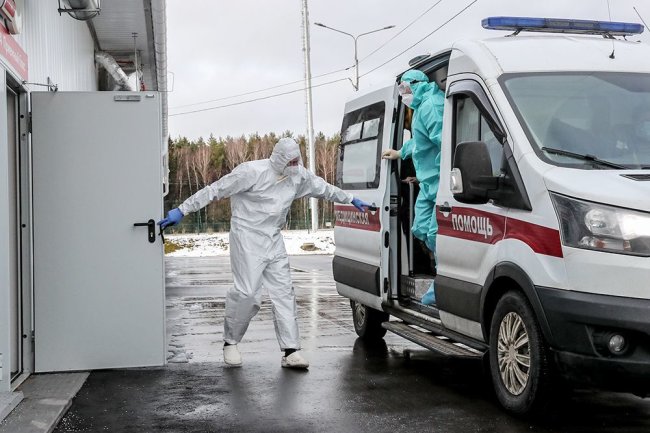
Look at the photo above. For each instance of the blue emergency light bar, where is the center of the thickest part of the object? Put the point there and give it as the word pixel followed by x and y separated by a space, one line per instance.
pixel 554 25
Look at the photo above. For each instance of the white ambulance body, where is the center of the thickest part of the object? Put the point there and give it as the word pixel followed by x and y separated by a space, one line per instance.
pixel 543 250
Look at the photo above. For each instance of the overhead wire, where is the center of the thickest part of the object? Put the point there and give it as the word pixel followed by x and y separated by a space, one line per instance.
pixel 259 90
pixel 256 99
pixel 418 42
pixel 420 16
pixel 317 76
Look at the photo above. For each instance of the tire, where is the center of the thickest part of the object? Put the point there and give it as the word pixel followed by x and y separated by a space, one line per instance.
pixel 367 321
pixel 521 389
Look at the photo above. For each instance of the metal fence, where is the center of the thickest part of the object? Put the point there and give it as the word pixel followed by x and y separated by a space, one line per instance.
pixel 216 217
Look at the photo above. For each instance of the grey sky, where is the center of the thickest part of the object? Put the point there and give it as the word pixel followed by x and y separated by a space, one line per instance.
pixel 218 49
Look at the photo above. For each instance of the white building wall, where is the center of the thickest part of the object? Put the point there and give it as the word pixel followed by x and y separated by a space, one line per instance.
pixel 62 49
pixel 58 47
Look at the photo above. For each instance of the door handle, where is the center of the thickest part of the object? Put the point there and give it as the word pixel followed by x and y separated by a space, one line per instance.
pixel 151 229
pixel 445 208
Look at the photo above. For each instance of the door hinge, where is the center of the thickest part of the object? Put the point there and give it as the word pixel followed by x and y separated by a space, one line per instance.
pixel 29 122
pixel 386 239
pixel 33 337
pixel 386 285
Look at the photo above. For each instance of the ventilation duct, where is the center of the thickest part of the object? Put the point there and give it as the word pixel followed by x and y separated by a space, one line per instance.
pixel 159 16
pixel 81 10
pixel 118 74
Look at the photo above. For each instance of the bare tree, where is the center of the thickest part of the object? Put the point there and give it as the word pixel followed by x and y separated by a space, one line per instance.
pixel 203 164
pixel 236 151
pixel 326 153
pixel 254 146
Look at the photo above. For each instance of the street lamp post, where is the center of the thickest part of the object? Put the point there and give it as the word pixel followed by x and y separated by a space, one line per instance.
pixel 355 83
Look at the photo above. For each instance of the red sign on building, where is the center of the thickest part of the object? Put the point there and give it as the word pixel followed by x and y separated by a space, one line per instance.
pixel 13 54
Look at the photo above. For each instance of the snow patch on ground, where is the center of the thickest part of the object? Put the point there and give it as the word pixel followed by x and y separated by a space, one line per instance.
pixel 217 244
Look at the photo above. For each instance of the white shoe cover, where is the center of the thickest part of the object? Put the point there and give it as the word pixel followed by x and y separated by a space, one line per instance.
pixel 295 360
pixel 231 355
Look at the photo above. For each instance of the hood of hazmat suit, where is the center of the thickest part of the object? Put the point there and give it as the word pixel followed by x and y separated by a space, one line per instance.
pixel 284 151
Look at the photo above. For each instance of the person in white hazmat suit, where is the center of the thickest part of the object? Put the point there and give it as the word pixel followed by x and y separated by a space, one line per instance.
pixel 261 193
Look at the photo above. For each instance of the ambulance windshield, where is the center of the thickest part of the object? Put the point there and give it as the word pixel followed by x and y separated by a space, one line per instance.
pixel 604 116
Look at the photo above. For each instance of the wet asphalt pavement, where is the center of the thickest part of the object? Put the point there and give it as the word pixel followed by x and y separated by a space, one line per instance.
pixel 350 386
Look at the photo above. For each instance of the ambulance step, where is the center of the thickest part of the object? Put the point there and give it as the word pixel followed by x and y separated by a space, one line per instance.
pixel 436 328
pixel 430 341
pixel 415 287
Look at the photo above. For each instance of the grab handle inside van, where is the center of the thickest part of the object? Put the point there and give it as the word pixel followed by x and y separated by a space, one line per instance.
pixel 411 211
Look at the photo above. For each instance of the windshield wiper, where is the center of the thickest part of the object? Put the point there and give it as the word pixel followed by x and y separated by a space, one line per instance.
pixel 590 158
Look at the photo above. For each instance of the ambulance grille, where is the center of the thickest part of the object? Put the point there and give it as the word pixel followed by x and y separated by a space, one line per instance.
pixel 639 177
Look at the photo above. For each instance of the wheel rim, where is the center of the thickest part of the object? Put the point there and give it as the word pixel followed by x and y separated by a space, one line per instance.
pixel 359 314
pixel 513 353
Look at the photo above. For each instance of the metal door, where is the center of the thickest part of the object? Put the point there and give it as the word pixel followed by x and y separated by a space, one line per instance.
pixel 361 259
pixel 98 280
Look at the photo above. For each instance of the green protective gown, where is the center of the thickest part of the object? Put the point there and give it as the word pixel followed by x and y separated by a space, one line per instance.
pixel 424 149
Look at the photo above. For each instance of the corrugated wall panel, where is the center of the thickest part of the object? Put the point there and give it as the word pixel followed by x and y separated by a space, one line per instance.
pixel 58 47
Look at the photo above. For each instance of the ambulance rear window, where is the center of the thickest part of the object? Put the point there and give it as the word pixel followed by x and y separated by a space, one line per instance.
pixel 359 153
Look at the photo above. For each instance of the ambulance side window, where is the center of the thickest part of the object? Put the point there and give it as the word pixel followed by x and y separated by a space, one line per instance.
pixel 470 125
pixel 360 149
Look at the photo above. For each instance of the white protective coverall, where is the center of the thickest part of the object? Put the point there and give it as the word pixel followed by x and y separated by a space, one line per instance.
pixel 260 196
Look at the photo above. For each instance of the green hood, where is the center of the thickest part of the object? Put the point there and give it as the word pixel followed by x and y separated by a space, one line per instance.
pixel 420 88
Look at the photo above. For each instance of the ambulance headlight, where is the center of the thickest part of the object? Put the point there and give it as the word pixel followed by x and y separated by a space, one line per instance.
pixel 596 226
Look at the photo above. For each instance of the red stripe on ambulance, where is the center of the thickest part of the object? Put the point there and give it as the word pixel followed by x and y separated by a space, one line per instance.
pixel 471 224
pixel 485 227
pixel 542 240
pixel 350 217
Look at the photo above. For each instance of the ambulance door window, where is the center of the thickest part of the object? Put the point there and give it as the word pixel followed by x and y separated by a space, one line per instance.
pixel 472 126
pixel 360 149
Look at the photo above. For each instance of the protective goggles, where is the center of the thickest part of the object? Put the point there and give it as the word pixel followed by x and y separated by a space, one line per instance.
pixel 294 162
pixel 405 86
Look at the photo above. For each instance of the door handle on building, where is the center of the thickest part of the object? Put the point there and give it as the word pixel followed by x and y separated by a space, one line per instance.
pixel 151 229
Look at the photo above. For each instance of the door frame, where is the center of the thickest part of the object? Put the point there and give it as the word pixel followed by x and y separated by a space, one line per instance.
pixel 25 236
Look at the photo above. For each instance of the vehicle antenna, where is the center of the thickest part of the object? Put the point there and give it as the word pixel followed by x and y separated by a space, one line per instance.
pixel 609 11
pixel 640 17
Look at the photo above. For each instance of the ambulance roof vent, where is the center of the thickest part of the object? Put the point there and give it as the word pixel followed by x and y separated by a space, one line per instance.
pixel 639 177
pixel 557 25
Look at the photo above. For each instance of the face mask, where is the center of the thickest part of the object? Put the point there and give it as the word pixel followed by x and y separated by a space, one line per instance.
pixel 643 130
pixel 407 99
pixel 291 170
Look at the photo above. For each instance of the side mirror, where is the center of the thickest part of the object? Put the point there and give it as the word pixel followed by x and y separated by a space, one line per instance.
pixel 472 173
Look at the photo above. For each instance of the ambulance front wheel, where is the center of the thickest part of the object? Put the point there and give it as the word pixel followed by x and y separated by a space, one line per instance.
pixel 519 359
pixel 367 321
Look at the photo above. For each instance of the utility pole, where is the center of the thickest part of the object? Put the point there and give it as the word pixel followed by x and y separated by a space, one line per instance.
pixel 310 118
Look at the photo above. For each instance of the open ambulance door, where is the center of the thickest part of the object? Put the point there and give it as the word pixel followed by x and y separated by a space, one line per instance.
pixel 362 239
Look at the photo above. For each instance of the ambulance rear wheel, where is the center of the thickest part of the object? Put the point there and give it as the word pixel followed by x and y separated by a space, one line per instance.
pixel 519 359
pixel 367 321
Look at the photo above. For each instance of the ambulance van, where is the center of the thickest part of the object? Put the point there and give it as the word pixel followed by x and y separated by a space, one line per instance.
pixel 543 249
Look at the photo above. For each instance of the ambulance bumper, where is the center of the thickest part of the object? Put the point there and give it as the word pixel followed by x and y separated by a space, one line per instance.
pixel 599 340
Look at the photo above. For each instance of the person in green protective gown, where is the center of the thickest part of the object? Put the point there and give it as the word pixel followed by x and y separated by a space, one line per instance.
pixel 427 99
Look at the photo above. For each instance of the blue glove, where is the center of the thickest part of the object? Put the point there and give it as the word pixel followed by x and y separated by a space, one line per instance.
pixel 360 205
pixel 174 216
